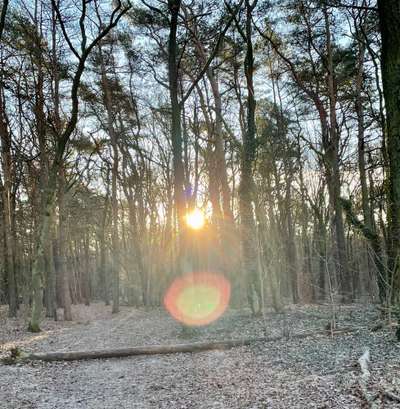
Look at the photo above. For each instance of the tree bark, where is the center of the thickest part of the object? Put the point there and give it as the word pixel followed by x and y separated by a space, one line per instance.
pixel 8 210
pixel 332 145
pixel 246 189
pixel 108 103
pixel 369 223
pixel 389 17
pixel 62 261
pixel 176 127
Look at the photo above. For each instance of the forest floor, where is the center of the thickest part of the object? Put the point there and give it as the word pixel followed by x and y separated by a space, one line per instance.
pixel 313 372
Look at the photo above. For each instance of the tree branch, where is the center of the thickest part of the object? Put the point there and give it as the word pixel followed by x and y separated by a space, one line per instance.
pixel 351 6
pixel 64 30
pixel 212 55
pixel 3 17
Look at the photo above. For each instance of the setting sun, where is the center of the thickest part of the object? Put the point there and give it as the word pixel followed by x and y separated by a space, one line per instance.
pixel 195 219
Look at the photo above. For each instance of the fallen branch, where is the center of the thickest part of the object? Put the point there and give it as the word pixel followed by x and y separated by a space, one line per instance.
pixel 133 351
pixel 364 379
pixel 19 356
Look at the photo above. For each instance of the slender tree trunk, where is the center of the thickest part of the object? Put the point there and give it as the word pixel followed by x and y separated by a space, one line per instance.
pixel 333 170
pixel 307 287
pixel 369 223
pixel 61 279
pixel 8 211
pixel 210 157
pixel 114 232
pixel 389 17
pixel 217 129
pixel 246 190
pixel 86 272
pixel 40 119
pixel 51 307
pixel 104 293
pixel 3 15
pixel 269 252
pixel 62 226
pixel 107 97
pixel 38 266
pixel 290 231
pixel 176 128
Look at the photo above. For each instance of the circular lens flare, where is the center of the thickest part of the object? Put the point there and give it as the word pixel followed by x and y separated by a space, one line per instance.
pixel 195 219
pixel 198 298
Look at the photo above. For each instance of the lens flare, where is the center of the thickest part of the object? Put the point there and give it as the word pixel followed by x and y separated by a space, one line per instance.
pixel 195 219
pixel 198 299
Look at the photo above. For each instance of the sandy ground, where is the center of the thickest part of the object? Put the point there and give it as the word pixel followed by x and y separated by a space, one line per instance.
pixel 315 372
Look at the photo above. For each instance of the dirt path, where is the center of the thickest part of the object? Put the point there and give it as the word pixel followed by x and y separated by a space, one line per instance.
pixel 309 373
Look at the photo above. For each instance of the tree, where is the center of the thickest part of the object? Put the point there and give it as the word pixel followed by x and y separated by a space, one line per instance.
pixel 6 188
pixel 389 17
pixel 61 144
pixel 247 192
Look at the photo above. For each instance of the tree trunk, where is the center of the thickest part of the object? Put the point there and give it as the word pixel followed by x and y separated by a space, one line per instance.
pixel 86 272
pixel 62 259
pixel 107 98
pixel 246 189
pixel 103 251
pixel 290 231
pixel 373 238
pixel 389 17
pixel 38 266
pixel 333 172
pixel 40 118
pixel 176 129
pixel 8 211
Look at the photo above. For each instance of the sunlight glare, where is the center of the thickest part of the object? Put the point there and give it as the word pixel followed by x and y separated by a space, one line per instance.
pixel 198 299
pixel 195 219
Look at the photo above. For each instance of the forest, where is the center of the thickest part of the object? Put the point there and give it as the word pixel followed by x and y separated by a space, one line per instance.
pixel 214 183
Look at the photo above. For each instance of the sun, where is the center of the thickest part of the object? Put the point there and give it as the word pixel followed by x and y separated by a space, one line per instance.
pixel 195 219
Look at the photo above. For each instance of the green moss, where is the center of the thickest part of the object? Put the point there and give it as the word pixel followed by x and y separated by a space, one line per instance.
pixel 15 355
pixel 33 327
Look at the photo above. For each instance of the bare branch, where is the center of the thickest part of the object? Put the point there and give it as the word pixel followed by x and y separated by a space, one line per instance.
pixel 64 30
pixel 82 25
pixel 212 55
pixel 241 32
pixel 351 6
pixel 3 17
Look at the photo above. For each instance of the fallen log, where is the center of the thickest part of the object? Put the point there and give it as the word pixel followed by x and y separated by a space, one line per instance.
pixel 19 356
pixel 133 351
